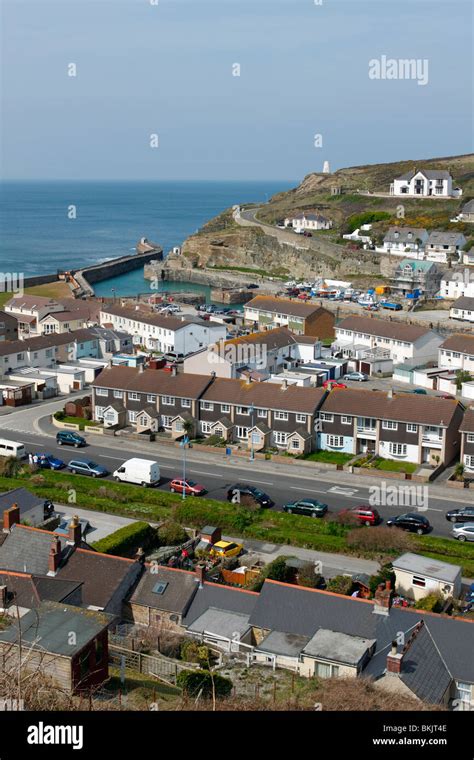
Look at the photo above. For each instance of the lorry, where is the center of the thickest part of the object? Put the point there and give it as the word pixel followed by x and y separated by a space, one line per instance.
pixel 391 305
pixel 144 472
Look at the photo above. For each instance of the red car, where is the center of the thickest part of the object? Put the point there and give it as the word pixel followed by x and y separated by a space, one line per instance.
pixel 190 488
pixel 365 515
pixel 330 384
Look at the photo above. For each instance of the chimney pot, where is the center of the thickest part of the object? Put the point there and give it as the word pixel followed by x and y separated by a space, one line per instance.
pixel 140 555
pixel 75 532
pixel 201 574
pixel 54 555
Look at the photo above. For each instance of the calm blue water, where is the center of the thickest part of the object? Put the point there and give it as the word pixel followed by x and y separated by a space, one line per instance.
pixel 37 237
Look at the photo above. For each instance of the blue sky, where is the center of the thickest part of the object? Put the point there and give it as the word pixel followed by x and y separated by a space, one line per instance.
pixel 167 69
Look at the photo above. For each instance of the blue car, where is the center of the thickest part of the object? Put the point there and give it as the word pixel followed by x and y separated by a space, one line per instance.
pixel 50 462
pixel 87 468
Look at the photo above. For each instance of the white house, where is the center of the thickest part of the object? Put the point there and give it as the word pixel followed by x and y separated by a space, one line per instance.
pixel 468 257
pixel 442 246
pixel 457 352
pixel 29 310
pixel 362 337
pixel 160 332
pixel 417 576
pixel 423 182
pixel 456 283
pixel 467 212
pixel 403 240
pixel 463 309
pixel 308 221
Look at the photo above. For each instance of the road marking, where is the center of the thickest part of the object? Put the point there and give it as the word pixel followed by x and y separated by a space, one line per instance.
pixel 200 472
pixel 343 491
pixel 313 490
pixel 264 482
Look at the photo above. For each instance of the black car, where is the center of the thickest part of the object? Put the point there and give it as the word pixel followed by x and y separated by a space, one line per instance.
pixel 238 491
pixel 252 286
pixel 410 521
pixel 310 507
pixel 460 515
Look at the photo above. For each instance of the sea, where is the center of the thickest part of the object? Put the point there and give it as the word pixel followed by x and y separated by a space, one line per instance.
pixel 55 225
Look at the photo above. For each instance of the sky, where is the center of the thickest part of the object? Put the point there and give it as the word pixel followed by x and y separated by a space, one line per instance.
pixel 167 68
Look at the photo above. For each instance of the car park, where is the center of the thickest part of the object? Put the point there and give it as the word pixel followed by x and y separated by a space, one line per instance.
pixel 226 549
pixel 189 487
pixel 365 515
pixel 237 492
pixel 309 507
pixel 466 514
pixel 411 522
pixel 464 532
pixel 87 467
pixel 359 377
pixel 69 438
pixel 49 462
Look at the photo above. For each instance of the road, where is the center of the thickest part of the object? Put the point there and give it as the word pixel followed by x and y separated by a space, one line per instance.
pixel 283 483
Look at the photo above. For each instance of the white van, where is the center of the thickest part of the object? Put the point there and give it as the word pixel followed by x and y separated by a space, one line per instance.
pixel 12 449
pixel 142 471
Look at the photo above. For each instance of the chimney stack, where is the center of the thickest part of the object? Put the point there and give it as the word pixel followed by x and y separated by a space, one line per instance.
pixel 54 556
pixel 284 384
pixel 75 532
pixel 174 370
pixel 201 574
pixel 383 598
pixel 140 555
pixel 10 517
pixel 141 367
pixel 3 597
pixel 394 660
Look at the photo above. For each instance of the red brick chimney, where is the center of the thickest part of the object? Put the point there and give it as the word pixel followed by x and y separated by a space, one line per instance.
pixel 395 658
pixel 10 517
pixel 201 574
pixel 75 532
pixel 383 595
pixel 54 556
pixel 3 597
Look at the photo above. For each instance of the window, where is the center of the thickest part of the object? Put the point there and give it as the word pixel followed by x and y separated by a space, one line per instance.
pixel 418 580
pixel 469 461
pixel 207 405
pixel 168 400
pixel 389 425
pixel 178 426
pixel 119 394
pixel 301 418
pixel 101 392
pixel 166 420
pixel 99 412
pixel 464 693
pixel 397 449
pixel 131 396
pixel 186 403
pixel 132 416
pixel 243 410
pixel 335 441
pixel 225 408
pixel 262 413
pixel 470 437
pixel 346 420
pixel 295 443
pixel 325 670
pixel 151 398
pixel 411 428
pixel 281 415
pixel 326 417
pixel 280 438
pixel 206 427
pixel 242 432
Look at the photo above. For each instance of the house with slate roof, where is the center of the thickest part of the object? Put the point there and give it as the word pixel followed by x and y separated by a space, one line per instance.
pixel 424 183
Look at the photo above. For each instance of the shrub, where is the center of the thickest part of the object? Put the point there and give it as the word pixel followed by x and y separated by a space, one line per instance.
pixel 340 584
pixel 430 603
pixel 379 539
pixel 172 534
pixel 385 574
pixel 126 540
pixel 192 651
pixel 37 480
pixel 195 682
pixel 277 570
pixel 60 415
pixel 9 467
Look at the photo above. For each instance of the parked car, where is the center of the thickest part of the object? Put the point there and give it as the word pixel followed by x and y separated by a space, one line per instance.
pixel 330 384
pixel 307 234
pixel 365 515
pixel 226 549
pixel 419 391
pixel 466 514
pixel 172 356
pixel 190 487
pixel 69 438
pixel 411 521
pixel 87 467
pixel 235 494
pixel 50 462
pixel 144 472
pixel 464 532
pixel 252 286
pixel 310 507
pixel 359 377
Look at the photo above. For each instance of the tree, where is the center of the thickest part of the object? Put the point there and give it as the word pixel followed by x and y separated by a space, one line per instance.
pixel 188 427
pixel 462 376
pixel 277 570
pixel 172 534
pixel 340 584
pixel 459 471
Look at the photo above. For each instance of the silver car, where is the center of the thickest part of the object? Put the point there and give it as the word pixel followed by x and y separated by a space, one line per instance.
pixel 464 531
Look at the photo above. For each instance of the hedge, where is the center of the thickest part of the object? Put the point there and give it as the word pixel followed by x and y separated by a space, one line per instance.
pixel 125 541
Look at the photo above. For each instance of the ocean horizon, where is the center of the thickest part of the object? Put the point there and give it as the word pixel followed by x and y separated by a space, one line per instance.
pixel 38 237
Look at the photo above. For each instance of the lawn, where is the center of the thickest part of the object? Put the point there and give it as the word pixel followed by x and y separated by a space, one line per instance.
pixel 330 457
pixel 266 525
pixel 49 290
pixel 390 465
pixel 77 421
pixel 139 691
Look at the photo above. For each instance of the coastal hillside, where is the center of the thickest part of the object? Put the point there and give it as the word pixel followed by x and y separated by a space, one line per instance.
pixel 361 195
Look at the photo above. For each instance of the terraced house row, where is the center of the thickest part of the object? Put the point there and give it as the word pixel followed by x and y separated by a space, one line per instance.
pixel 405 427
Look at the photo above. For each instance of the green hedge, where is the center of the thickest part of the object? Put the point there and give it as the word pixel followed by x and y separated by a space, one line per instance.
pixel 126 540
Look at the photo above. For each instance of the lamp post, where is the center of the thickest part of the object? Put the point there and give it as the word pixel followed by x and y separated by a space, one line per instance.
pixel 252 412
pixel 183 444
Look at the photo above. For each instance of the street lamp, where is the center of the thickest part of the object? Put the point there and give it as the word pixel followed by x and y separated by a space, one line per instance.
pixel 183 444
pixel 252 412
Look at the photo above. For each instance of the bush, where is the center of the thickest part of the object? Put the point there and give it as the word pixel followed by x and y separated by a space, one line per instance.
pixel 277 570
pixel 9 467
pixel 430 603
pixel 379 539
pixel 125 541
pixel 60 415
pixel 385 574
pixel 192 651
pixel 171 534
pixel 340 584
pixel 195 682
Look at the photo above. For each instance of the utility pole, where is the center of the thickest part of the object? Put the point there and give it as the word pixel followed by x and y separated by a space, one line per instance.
pixel 183 444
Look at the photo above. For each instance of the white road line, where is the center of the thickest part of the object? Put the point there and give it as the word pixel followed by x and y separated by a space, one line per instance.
pixel 313 490
pixel 200 472
pixel 264 482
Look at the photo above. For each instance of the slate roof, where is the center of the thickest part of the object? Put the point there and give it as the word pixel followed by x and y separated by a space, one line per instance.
pixel 438 237
pixel 166 321
pixel 459 342
pixel 465 303
pixel 27 550
pixel 22 498
pixel 284 306
pixel 264 395
pixel 428 173
pixel 382 328
pixel 101 575
pixel 177 596
pixel 48 627
pixel 152 381
pixel 287 644
pixel 221 598
pixel 468 207
pixel 8 347
pixel 29 590
pixel 403 407
pixel 404 234
pixel 294 609
pixel 221 622
pixel 424 670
